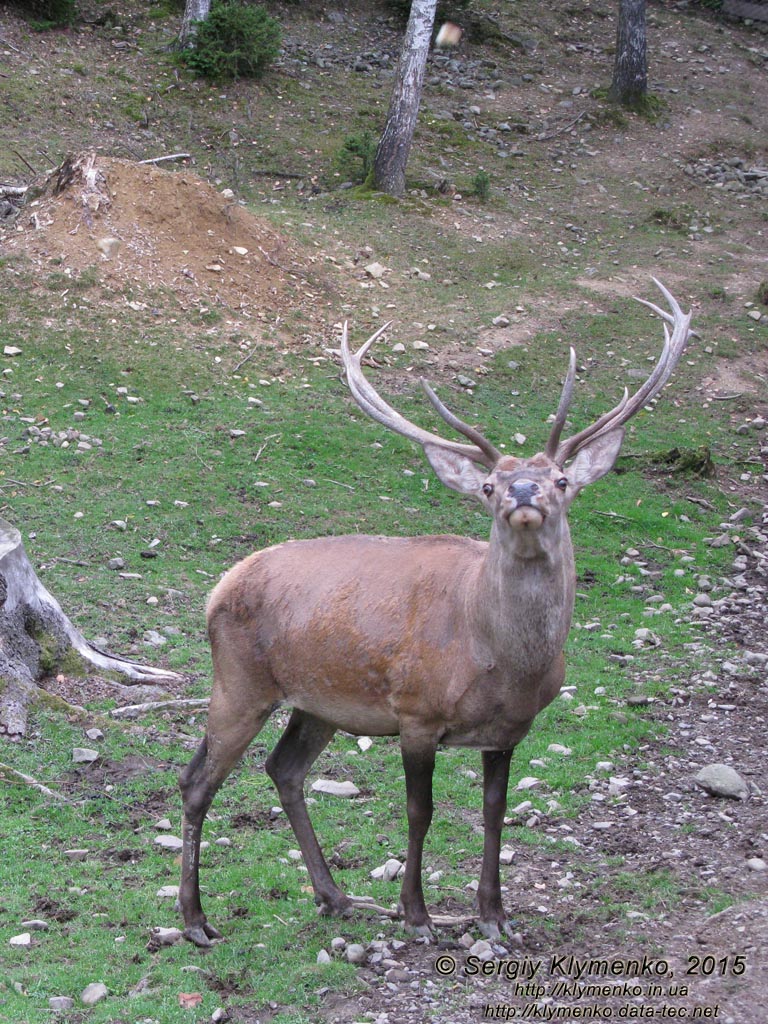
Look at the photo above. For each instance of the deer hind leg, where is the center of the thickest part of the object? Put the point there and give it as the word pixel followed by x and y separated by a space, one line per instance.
pixel 419 764
pixel 492 920
pixel 304 739
pixel 227 736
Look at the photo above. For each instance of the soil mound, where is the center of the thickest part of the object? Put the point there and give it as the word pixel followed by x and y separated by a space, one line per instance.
pixel 143 228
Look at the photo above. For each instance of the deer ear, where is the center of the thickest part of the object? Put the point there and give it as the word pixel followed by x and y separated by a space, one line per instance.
pixel 454 470
pixel 595 459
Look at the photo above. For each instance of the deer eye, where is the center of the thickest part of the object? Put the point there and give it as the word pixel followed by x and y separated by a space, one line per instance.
pixel 562 483
pixel 487 490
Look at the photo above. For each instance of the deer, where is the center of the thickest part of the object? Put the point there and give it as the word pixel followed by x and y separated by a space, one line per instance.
pixel 442 640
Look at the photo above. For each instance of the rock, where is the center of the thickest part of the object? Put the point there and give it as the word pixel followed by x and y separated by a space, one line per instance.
pixel 116 563
pixel 323 957
pixel 332 788
pixel 93 993
pixel 166 936
pixel 355 953
pixel 76 854
pixel 528 782
pixel 388 871
pixel 61 1003
pixel 722 780
pixel 483 950
pixel 167 842
pixel 167 892
pixel 757 864
pixel 558 748
pixel 35 925
pixel 154 639
pixel 95 735
pixel 24 939
pixel 84 755
pixel 375 270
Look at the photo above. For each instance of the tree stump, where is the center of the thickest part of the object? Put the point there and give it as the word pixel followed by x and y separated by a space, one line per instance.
pixel 36 638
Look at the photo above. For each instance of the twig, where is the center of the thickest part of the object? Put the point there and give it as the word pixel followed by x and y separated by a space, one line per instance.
pixel 727 398
pixel 561 131
pixel 611 515
pixel 24 161
pixel 260 452
pixel 133 710
pixel 243 361
pixel 338 483
pixel 8 774
pixel 163 159
pixel 701 501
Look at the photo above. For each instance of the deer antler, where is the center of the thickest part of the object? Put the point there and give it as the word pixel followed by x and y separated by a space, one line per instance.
pixel 674 346
pixel 370 401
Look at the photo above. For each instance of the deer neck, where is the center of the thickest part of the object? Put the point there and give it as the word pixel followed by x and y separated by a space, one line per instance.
pixel 523 598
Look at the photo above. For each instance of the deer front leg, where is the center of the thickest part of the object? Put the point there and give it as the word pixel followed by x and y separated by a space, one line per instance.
pixel 492 921
pixel 419 764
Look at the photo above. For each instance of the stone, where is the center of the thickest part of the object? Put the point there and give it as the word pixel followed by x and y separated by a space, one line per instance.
pixel 167 842
pixel 333 788
pixel 84 755
pixel 722 780
pixel 167 936
pixel 24 939
pixel 757 864
pixel 61 1003
pixel 168 892
pixel 323 957
pixel 93 993
pixel 355 953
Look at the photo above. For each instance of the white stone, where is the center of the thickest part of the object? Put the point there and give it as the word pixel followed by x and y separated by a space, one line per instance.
pixel 332 788
pixel 84 755
pixel 24 939
pixel 167 842
pixel 93 993
pixel 167 936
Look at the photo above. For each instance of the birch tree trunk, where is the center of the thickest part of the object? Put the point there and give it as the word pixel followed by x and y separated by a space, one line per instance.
pixel 395 145
pixel 36 637
pixel 194 11
pixel 630 69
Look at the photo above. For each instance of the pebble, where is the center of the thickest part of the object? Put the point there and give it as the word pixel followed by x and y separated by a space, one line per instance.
pixel 24 939
pixel 323 957
pixel 757 864
pixel 167 892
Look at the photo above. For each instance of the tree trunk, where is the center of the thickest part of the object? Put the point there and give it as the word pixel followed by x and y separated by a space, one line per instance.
pixel 194 11
pixel 630 69
pixel 36 638
pixel 395 144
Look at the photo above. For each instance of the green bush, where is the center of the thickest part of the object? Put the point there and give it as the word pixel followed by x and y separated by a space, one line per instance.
pixel 237 40
pixel 354 161
pixel 48 13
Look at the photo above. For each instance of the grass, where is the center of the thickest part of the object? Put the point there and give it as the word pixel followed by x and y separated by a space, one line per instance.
pixel 330 470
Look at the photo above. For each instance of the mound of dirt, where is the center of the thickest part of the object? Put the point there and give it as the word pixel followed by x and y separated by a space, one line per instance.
pixel 144 228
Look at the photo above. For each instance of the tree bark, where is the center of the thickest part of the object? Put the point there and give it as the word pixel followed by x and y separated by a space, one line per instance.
pixel 630 69
pixel 36 638
pixel 395 145
pixel 194 11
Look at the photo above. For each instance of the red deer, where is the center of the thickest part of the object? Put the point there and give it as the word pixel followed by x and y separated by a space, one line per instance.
pixel 440 639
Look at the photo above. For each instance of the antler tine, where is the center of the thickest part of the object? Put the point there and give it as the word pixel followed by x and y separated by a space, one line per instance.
pixel 371 402
pixel 463 428
pixel 674 346
pixel 562 408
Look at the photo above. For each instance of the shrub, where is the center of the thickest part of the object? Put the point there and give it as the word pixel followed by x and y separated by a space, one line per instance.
pixel 237 40
pixel 481 186
pixel 48 13
pixel 354 160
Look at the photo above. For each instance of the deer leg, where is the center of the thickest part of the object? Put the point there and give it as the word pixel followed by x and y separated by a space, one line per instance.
pixel 492 919
pixel 224 742
pixel 419 764
pixel 304 739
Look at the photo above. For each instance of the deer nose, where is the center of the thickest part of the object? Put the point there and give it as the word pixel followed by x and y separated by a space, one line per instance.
pixel 522 492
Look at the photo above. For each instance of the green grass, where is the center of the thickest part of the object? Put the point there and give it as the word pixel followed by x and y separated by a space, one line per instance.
pixel 169 448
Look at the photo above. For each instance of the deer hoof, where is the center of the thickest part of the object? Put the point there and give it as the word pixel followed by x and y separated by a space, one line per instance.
pixel 496 930
pixel 202 935
pixel 421 931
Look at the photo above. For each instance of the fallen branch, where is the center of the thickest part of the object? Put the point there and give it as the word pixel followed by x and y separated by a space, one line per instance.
pixel 8 774
pixel 134 710
pixel 165 159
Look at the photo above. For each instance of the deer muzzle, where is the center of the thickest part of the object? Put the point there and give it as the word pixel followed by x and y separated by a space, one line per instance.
pixel 522 500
